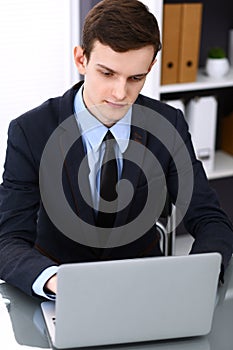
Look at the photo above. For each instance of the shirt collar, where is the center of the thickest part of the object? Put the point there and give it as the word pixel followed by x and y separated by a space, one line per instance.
pixel 94 131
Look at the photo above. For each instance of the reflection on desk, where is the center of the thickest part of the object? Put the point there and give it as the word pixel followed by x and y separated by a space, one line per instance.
pixel 26 318
pixel 29 328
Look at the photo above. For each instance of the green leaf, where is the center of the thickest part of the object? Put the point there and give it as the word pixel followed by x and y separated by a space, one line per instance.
pixel 216 52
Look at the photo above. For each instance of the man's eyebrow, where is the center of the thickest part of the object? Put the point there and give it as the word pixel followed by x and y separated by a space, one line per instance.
pixel 140 75
pixel 105 67
pixel 112 71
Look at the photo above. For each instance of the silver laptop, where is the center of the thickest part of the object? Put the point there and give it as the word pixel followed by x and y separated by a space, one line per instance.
pixel 133 300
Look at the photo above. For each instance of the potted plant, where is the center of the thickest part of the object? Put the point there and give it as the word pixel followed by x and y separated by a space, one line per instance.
pixel 217 64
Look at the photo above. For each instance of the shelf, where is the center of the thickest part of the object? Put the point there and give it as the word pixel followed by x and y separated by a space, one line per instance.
pixel 203 83
pixel 223 166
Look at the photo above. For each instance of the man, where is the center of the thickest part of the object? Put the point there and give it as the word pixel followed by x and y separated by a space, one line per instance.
pixel 60 145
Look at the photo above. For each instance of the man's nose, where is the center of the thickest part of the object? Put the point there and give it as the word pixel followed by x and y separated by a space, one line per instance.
pixel 120 90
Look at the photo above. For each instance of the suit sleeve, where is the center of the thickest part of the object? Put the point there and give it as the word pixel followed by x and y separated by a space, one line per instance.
pixel 202 215
pixel 20 262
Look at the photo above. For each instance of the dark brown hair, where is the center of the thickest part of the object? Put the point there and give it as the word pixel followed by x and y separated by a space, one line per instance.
pixel 121 24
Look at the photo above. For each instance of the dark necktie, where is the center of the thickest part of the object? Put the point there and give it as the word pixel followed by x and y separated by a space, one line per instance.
pixel 108 181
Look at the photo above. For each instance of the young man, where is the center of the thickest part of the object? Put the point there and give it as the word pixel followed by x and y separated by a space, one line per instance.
pixel 50 198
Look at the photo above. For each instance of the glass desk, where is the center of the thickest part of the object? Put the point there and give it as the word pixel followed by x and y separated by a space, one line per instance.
pixel 29 328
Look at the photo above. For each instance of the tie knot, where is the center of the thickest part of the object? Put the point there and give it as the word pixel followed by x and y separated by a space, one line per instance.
pixel 108 136
pixel 110 140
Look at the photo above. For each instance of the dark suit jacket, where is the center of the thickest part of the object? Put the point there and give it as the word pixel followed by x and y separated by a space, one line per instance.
pixel 29 240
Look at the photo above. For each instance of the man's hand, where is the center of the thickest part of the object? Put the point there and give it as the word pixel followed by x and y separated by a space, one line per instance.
pixel 51 285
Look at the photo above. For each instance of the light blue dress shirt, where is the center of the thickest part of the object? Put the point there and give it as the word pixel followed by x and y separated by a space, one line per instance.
pixel 93 133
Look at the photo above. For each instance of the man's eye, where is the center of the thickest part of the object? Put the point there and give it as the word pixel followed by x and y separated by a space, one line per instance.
pixel 107 74
pixel 135 78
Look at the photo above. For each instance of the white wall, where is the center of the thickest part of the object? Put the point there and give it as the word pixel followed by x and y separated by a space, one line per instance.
pixel 36 44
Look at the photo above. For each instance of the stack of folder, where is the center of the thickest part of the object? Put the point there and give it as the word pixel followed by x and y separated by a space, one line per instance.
pixel 201 115
pixel 181 42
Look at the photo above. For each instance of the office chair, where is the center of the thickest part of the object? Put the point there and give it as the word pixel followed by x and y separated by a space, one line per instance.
pixel 166 226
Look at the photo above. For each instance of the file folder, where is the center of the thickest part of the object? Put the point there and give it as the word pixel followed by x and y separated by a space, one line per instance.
pixel 178 104
pixel 201 115
pixel 190 31
pixel 171 37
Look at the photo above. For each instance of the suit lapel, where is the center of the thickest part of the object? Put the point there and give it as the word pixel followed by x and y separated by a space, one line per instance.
pixel 131 172
pixel 71 140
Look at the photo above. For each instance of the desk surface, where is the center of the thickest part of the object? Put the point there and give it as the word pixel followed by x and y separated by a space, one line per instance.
pixel 29 328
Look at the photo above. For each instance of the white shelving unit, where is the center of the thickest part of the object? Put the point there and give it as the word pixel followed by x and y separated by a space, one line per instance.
pixel 203 82
pixel 223 166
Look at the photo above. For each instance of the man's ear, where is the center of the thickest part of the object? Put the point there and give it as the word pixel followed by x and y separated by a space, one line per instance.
pixel 80 60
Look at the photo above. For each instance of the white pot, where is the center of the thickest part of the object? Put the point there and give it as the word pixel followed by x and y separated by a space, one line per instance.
pixel 217 67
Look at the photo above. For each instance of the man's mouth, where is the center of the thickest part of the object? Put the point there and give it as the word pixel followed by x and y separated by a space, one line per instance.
pixel 117 104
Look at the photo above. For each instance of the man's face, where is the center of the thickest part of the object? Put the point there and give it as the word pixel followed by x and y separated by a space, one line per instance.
pixel 113 79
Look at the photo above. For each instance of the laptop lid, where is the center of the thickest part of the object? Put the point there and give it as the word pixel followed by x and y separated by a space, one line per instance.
pixel 134 300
